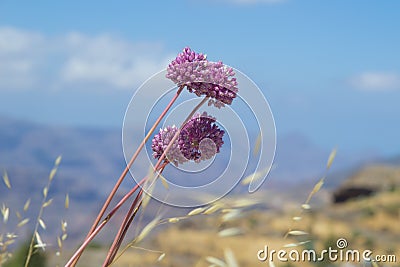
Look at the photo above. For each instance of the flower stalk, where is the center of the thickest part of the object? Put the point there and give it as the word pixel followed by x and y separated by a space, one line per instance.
pixel 126 170
pixel 198 138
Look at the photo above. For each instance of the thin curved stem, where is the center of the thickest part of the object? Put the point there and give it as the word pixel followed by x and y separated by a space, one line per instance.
pixel 103 223
pixel 128 166
pixel 126 223
pixel 122 231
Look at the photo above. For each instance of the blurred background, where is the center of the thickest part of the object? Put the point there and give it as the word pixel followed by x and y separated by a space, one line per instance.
pixel 330 71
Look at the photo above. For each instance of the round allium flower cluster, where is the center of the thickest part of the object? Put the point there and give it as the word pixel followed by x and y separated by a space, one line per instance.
pixel 162 140
pixel 199 139
pixel 202 77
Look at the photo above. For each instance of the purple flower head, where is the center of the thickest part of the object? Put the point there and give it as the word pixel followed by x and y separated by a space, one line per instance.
pixel 200 138
pixel 160 143
pixel 187 55
pixel 218 83
pixel 202 77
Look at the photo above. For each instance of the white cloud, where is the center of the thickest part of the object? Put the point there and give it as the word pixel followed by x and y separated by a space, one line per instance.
pixel 111 60
pixel 18 62
pixel 17 41
pixel 30 60
pixel 376 81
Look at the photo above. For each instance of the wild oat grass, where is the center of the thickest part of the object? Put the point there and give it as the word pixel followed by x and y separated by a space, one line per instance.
pixel 302 236
pixel 36 241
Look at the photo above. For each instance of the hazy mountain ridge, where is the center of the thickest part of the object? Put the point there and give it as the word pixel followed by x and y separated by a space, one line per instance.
pixel 93 159
pixel 96 154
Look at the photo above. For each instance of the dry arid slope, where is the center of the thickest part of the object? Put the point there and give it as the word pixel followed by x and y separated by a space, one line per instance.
pixel 369 222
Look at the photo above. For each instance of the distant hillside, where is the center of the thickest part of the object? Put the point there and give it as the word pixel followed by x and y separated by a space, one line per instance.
pixel 94 155
pixel 381 177
pixel 88 154
pixel 93 159
pixel 369 223
pixel 369 180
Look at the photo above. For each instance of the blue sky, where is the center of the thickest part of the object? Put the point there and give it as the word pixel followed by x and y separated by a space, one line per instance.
pixel 329 69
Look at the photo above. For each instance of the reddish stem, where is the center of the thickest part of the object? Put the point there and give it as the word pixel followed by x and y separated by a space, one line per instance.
pixel 103 223
pixel 121 233
pixel 122 230
pixel 126 170
pixel 126 223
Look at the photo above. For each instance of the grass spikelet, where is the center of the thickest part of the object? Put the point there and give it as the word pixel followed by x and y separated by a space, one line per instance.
pixel 212 209
pixel 148 188
pixel 257 145
pixel 231 215
pixel 64 236
pixel 196 211
pixel 59 242
pixel 27 204
pixel 227 210
pixel 230 258
pixel 297 218
pixel 255 176
pixel 216 261
pixel 5 211
pixel 230 232
pixel 23 222
pixel 291 245
pixel 305 206
pixel 48 203
pixel 11 236
pixel 66 203
pixel 42 246
pixel 39 241
pixel 331 158
pixel 297 232
pixel 174 220
pixel 147 229
pixel 146 198
pixel 63 226
pixel 6 180
pixel 54 170
pixel 42 224
pixel 45 191
pixel 243 202
pixel 52 173
pixel 162 256
pixel 58 161
pixel 316 188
